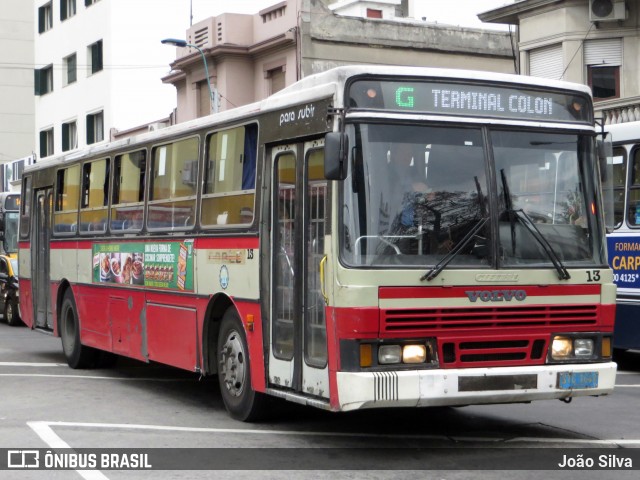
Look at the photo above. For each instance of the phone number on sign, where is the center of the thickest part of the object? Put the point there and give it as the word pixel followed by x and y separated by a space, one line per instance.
pixel 626 277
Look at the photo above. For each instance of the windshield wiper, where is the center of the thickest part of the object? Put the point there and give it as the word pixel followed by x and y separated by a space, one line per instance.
pixel 525 219
pixel 435 271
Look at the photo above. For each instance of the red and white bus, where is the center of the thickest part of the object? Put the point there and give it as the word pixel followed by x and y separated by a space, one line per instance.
pixel 282 247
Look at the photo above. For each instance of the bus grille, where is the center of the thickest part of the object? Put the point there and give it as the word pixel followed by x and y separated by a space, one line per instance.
pixel 431 319
pixel 465 342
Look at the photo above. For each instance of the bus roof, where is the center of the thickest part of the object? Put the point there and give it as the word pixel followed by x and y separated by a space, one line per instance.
pixel 624 132
pixel 310 88
pixel 342 73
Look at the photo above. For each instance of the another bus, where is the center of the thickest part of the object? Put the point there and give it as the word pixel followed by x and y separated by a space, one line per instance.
pixel 273 246
pixel 9 218
pixel 624 241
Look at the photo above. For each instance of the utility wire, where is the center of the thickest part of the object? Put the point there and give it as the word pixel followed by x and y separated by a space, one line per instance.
pixel 576 52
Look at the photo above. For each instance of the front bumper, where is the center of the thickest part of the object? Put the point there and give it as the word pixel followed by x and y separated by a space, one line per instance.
pixel 425 388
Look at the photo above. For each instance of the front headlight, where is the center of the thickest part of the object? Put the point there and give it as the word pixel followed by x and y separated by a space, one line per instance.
pixel 561 348
pixel 583 347
pixel 414 354
pixel 388 354
pixel 574 347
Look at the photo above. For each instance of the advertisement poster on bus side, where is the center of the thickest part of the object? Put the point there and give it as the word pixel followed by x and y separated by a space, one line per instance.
pixel 155 264
pixel 624 258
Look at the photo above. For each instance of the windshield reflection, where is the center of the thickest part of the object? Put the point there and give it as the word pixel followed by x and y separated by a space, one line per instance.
pixel 414 193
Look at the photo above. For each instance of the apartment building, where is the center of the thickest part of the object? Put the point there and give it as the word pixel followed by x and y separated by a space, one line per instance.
pixel 98 69
pixel 249 57
pixel 594 42
pixel 16 88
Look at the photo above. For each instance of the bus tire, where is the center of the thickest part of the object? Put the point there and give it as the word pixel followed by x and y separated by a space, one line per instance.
pixel 77 355
pixel 234 372
pixel 12 312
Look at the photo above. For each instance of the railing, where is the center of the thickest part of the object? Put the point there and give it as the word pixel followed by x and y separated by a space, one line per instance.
pixel 619 111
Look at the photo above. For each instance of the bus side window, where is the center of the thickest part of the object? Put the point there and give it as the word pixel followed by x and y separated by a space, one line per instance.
pixel 634 191
pixel 94 197
pixel 67 196
pixel 230 176
pixel 174 173
pixel 127 202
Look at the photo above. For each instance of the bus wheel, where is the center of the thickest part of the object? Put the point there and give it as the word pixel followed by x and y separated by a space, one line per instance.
pixel 77 355
pixel 11 314
pixel 234 373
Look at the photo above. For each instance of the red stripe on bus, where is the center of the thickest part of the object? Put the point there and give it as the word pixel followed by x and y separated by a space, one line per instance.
pixel 227 242
pixel 461 292
pixel 71 245
pixel 199 243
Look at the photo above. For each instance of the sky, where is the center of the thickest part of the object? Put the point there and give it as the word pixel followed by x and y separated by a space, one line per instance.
pixel 453 12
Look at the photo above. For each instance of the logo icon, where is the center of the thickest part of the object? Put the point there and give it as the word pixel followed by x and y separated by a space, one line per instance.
pixel 224 277
pixel 496 295
pixel 23 459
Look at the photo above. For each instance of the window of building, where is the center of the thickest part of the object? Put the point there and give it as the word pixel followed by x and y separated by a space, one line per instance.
pixel 69 136
pixel 546 62
pixel 173 184
pixel 45 18
pixel 603 59
pixel 67 194
pixel 94 57
pixel 94 197
pixel 277 80
pixel 67 9
pixel 204 99
pixel 88 3
pixel 43 80
pixel 271 13
pixel 95 127
pixel 230 177
pixel 127 203
pixel 46 143
pixel 604 82
pixel 373 13
pixel 69 72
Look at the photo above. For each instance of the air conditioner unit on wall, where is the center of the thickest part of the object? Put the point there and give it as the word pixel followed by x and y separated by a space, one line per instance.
pixel 607 10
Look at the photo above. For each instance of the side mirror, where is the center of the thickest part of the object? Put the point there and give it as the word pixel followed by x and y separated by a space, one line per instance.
pixel 336 146
pixel 605 167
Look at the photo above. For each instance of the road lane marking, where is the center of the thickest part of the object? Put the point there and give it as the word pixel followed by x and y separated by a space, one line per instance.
pixel 606 441
pixel 31 364
pixel 46 433
pixel 247 431
pixel 96 377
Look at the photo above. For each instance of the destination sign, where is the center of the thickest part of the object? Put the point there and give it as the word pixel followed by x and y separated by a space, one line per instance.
pixel 470 100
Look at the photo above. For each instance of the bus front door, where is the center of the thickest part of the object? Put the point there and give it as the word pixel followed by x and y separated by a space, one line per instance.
pixel 298 334
pixel 41 290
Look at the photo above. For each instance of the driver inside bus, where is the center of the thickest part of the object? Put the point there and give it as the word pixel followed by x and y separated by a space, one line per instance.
pixel 411 199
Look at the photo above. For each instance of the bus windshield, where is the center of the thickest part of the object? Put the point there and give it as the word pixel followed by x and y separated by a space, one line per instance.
pixel 414 194
pixel 10 243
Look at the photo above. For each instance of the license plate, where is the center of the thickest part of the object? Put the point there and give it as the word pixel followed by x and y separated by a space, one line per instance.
pixel 577 380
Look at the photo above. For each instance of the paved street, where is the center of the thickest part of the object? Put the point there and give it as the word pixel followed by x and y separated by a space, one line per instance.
pixel 133 405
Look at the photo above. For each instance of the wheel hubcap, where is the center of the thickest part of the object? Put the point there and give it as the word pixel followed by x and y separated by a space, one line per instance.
pixel 232 364
pixel 68 333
